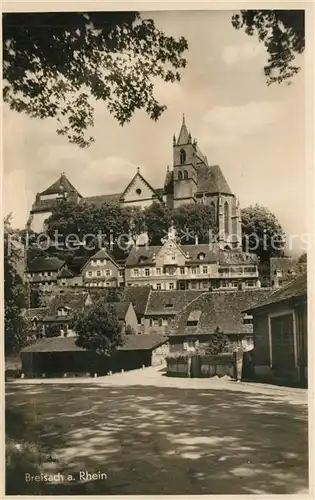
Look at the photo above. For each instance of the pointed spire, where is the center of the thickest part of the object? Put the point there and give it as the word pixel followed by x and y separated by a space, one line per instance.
pixel 138 170
pixel 183 137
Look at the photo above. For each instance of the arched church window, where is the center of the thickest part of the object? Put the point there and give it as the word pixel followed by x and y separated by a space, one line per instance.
pixel 180 175
pixel 185 174
pixel 212 206
pixel 182 156
pixel 226 217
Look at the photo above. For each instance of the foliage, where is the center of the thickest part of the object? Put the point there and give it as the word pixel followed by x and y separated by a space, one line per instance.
pixel 113 295
pixel 14 293
pixel 57 65
pixel 180 356
pixel 98 328
pixel 303 258
pixel 262 232
pixel 130 330
pixel 193 220
pixel 219 343
pixel 157 222
pixel 283 34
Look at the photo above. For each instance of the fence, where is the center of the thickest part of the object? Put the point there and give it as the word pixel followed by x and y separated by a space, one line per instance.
pixel 206 365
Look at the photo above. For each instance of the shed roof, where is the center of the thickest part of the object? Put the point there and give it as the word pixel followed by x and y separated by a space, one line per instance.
pixel 294 289
pixel 68 344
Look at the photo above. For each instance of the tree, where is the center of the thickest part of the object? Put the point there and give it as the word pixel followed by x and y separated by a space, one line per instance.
pixel 193 220
pixel 98 328
pixel 218 343
pixel 14 293
pixel 262 232
pixel 157 222
pixel 303 258
pixel 136 221
pixel 56 65
pixel 283 34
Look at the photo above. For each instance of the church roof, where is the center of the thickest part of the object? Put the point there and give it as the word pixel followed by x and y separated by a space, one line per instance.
pixel 61 185
pixel 100 199
pixel 183 137
pixel 210 179
pixel 138 175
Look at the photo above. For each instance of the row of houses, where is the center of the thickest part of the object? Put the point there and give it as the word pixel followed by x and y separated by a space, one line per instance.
pixel 272 322
pixel 167 267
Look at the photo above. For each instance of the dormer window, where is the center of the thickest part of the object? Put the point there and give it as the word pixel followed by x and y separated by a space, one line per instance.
pixel 185 174
pixel 193 318
pixel 248 319
pixel 201 256
pixel 187 255
pixel 169 304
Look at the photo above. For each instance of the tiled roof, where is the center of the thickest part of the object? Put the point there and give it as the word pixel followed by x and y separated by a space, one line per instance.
pixel 45 264
pixel 195 251
pixel 38 312
pixel 210 179
pixel 103 198
pixel 121 309
pixel 137 253
pixel 65 273
pixel 59 186
pixel 68 344
pixel 138 296
pixel 286 264
pixel 143 342
pixel 295 288
pixel 233 257
pixel 218 309
pixel 201 156
pixel 74 300
pixel 160 301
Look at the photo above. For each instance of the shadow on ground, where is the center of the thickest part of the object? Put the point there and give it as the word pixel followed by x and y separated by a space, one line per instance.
pixel 150 440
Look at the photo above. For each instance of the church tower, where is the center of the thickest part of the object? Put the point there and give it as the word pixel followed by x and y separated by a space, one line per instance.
pixel 184 163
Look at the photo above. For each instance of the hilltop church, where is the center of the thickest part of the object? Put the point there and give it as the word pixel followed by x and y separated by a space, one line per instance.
pixel 191 180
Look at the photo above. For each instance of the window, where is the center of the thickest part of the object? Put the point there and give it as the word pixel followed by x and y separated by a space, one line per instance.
pixel 138 191
pixel 193 285
pixel 180 176
pixel 158 271
pixel 185 174
pixel 182 270
pixel 147 272
pixel 169 305
pixel 205 284
pixel 248 319
pixel 204 269
pixel 201 256
pixel 171 286
pixel 108 272
pixel 98 273
pixel 158 286
pixel 182 156
pixel 213 208
pixel 226 218
pixel 89 274
pixel 160 322
pixel 193 270
pixel 107 283
pixel 136 273
pixel 173 257
pixel 121 274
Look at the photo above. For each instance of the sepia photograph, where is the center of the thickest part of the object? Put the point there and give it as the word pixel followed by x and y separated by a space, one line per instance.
pixel 155 251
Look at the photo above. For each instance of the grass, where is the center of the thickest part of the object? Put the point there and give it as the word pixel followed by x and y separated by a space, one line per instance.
pixel 161 440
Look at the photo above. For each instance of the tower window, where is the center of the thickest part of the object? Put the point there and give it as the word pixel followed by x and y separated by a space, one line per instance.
pixel 138 191
pixel 180 175
pixel 213 208
pixel 182 156
pixel 226 217
pixel 185 174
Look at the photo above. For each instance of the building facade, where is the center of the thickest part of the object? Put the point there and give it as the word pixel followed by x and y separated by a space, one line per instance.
pixel 190 180
pixel 101 270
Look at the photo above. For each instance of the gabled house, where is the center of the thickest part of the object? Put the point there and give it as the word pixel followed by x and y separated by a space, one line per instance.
pixel 139 297
pixel 285 269
pixel 101 270
pixel 280 333
pixel 43 272
pixel 61 309
pixel 190 267
pixel 67 278
pixel 126 316
pixel 163 307
pixel 199 320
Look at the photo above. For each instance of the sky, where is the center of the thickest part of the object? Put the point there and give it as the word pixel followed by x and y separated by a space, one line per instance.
pixel 253 131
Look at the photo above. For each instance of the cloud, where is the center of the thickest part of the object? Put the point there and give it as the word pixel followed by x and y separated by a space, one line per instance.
pixel 168 92
pixel 234 54
pixel 228 123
